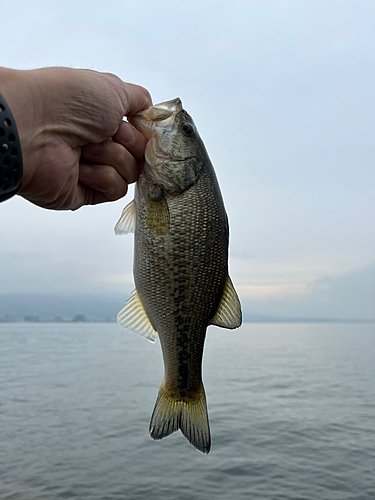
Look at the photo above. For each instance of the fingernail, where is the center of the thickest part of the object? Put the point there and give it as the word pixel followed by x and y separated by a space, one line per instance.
pixel 85 170
pixel 127 133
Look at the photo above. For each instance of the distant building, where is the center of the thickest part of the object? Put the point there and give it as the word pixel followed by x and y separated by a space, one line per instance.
pixel 8 318
pixel 79 318
pixel 32 319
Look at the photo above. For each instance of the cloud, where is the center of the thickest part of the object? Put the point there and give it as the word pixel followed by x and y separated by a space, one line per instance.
pixel 43 272
pixel 282 94
pixel 352 294
pixel 271 292
pixel 349 296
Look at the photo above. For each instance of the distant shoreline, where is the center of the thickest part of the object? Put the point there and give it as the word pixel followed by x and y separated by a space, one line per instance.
pixel 246 320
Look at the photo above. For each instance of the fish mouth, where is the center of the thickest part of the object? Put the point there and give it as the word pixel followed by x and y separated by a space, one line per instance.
pixel 145 121
pixel 157 115
pixel 162 111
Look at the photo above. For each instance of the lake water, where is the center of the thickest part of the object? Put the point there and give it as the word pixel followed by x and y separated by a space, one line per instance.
pixel 291 407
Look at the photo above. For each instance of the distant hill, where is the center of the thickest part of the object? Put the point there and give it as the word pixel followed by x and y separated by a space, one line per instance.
pixel 44 307
pixel 35 307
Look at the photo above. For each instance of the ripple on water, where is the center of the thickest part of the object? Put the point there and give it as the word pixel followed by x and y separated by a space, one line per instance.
pixel 291 410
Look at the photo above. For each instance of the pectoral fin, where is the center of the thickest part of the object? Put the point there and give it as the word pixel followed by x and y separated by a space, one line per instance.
pixel 126 223
pixel 133 316
pixel 158 215
pixel 228 314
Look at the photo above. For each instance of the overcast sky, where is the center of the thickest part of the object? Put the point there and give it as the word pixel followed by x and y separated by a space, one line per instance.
pixel 282 93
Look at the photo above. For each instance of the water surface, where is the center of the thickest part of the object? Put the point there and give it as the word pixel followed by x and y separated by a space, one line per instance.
pixel 291 407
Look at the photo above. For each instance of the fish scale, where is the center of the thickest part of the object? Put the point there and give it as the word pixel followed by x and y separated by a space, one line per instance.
pixel 181 240
pixel 189 274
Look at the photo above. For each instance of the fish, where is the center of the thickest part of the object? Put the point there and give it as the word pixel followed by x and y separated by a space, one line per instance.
pixel 180 267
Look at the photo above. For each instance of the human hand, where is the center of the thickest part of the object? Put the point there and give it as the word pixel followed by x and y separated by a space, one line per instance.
pixel 76 149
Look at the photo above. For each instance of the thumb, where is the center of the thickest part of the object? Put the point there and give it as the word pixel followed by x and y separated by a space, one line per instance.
pixel 133 97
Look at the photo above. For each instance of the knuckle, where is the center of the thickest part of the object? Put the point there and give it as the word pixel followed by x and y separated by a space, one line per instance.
pixel 126 164
pixel 146 94
pixel 108 180
pixel 120 155
pixel 132 172
pixel 112 185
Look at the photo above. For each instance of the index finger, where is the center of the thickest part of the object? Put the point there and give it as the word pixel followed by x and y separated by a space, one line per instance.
pixel 131 139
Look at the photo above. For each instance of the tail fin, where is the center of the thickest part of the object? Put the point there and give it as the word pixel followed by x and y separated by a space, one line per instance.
pixel 190 416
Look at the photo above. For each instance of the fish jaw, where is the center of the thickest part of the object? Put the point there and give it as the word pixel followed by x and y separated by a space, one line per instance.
pixel 145 121
pixel 157 112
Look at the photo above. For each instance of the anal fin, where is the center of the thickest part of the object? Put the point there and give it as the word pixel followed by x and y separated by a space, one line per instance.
pixel 228 314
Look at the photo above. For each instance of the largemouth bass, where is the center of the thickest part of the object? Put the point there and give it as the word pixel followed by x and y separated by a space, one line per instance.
pixel 181 275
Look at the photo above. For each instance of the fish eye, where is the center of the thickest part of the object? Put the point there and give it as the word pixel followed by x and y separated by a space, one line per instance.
pixel 187 129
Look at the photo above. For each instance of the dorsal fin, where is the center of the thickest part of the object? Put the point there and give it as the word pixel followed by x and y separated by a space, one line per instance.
pixel 126 223
pixel 133 316
pixel 228 314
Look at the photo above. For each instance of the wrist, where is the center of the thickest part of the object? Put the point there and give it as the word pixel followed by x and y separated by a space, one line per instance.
pixel 16 89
